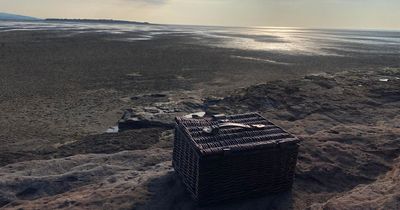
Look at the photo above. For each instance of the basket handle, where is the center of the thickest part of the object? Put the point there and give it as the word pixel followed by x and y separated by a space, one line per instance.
pixel 215 129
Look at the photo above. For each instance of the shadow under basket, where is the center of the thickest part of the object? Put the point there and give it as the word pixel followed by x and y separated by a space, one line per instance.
pixel 221 158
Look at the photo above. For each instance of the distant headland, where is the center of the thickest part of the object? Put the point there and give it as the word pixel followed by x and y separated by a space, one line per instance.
pixel 94 21
pixel 9 16
pixel 15 17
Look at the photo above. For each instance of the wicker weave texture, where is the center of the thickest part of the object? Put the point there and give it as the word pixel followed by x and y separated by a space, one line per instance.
pixel 235 162
pixel 233 138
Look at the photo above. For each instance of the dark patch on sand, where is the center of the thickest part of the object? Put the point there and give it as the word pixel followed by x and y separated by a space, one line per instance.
pixel 112 143
pixel 99 143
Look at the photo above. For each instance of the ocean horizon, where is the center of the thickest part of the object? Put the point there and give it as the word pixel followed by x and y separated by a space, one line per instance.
pixel 285 40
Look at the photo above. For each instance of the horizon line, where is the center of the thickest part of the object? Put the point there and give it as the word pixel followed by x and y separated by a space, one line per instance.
pixel 217 25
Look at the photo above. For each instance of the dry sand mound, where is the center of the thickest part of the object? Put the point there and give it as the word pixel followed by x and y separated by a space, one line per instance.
pixel 382 194
pixel 114 181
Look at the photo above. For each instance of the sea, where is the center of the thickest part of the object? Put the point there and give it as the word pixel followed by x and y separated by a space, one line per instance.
pixel 285 40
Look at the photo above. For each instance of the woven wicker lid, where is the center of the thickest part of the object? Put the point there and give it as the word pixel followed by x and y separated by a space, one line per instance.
pixel 233 133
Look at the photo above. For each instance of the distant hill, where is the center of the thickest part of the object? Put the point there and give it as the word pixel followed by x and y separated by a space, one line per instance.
pixel 8 16
pixel 95 21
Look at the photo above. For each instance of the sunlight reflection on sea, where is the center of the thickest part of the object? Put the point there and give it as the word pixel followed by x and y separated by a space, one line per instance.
pixel 274 39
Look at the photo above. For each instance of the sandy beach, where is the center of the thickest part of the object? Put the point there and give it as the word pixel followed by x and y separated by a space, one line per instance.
pixel 59 93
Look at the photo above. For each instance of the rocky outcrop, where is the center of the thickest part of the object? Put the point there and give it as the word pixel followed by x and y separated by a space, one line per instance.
pixel 132 121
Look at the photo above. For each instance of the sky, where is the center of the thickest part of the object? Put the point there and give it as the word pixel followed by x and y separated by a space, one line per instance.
pixel 355 14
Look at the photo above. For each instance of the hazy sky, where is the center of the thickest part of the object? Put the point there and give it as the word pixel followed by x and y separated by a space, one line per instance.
pixel 384 14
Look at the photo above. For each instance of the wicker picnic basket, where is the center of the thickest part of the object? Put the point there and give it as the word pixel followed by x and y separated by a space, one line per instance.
pixel 221 158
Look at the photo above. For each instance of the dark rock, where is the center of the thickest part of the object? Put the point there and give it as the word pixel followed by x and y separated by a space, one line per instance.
pixel 152 110
pixel 5 199
pixel 386 95
pixel 322 81
pixel 67 204
pixel 157 95
pixel 291 90
pixel 136 123
pixel 28 192
pixel 130 120
pixel 112 180
pixel 129 113
pixel 71 178
pixel 154 95
pixel 333 131
pixel 211 101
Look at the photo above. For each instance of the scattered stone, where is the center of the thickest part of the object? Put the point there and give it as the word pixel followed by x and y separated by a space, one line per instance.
pixel 148 96
pixel 114 129
pixel 195 115
pixel 291 90
pixel 5 199
pixel 157 95
pixel 130 120
pixel 323 81
pixel 152 110
pixel 136 123
pixel 135 74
